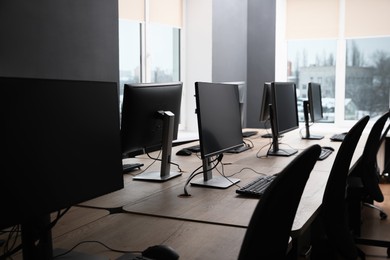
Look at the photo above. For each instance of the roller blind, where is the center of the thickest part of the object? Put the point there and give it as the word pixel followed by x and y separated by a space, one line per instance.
pixel 167 12
pixel 132 10
pixel 367 18
pixel 307 19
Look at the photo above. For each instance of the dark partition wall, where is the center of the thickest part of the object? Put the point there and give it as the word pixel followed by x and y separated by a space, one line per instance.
pixel 230 45
pixel 59 39
pixel 261 54
pixel 244 48
pixel 229 40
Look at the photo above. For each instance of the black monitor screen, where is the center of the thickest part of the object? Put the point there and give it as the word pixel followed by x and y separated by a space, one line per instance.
pixel 150 121
pixel 283 115
pixel 142 125
pixel 285 106
pixel 219 119
pixel 266 101
pixel 315 101
pixel 62 145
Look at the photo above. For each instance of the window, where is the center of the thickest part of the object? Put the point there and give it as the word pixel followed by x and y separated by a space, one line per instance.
pixel 163 55
pixel 313 61
pixel 130 52
pixel 342 44
pixel 149 41
pixel 367 77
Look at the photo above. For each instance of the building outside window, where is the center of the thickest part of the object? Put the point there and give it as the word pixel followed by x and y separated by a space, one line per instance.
pixel 163 55
pixel 345 46
pixel 367 77
pixel 313 61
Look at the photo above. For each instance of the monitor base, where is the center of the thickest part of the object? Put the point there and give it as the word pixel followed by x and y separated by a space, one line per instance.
pixel 239 149
pixel 269 135
pixel 313 137
pixel 219 182
pixel 282 152
pixel 156 176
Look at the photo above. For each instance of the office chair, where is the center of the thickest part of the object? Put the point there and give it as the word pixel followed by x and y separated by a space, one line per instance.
pixel 335 235
pixel 381 176
pixel 269 229
pixel 363 184
pixel 384 172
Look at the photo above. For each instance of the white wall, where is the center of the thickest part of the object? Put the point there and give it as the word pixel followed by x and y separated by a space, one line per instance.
pixel 197 59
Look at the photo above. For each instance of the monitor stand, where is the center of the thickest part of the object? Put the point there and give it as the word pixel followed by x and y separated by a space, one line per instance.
pixel 312 137
pixel 37 242
pixel 165 173
pixel 307 126
pixel 208 180
pixel 282 152
pixel 275 151
pixel 239 149
pixel 269 135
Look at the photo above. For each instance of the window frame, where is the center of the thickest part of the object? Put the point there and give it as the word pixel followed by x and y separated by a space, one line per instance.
pixel 281 57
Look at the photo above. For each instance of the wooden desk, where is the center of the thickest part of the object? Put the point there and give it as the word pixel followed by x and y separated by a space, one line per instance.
pixel 224 206
pixel 209 214
pixel 73 222
pixel 132 232
pixel 134 191
pixel 208 225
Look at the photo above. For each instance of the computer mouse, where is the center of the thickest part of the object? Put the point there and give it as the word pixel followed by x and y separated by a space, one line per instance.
pixel 328 147
pixel 184 151
pixel 160 252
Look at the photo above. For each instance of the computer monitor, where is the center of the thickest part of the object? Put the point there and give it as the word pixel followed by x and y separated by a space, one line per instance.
pixel 150 119
pixel 243 106
pixel 313 106
pixel 62 147
pixel 283 114
pixel 265 107
pixel 219 126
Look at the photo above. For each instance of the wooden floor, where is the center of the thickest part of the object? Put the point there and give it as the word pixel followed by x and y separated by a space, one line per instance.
pixel 376 228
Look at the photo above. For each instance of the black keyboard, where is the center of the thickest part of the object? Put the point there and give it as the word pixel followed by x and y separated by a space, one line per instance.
pixel 324 153
pixel 249 133
pixel 132 167
pixel 257 187
pixel 338 137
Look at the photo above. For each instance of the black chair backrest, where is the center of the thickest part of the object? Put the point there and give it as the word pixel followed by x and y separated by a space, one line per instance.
pixel 269 229
pixel 333 208
pixel 384 167
pixel 366 167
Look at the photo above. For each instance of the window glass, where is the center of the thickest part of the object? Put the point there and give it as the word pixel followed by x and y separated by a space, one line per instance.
pixel 313 61
pixel 129 53
pixel 163 54
pixel 367 80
